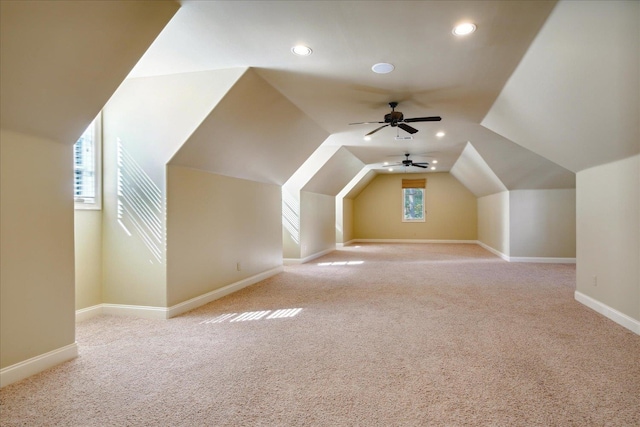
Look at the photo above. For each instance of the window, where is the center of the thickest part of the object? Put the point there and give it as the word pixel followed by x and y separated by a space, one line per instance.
pixel 86 167
pixel 413 200
pixel 413 204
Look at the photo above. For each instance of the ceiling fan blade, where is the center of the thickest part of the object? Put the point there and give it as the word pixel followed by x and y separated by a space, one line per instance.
pixel 418 165
pixel 407 128
pixel 421 164
pixel 423 119
pixel 365 123
pixel 376 130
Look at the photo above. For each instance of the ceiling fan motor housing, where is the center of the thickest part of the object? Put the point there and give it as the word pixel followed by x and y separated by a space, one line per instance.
pixel 393 118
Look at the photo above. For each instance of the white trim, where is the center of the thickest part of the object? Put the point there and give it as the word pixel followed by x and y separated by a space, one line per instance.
pixel 294 261
pixel 342 245
pixel 611 313
pixel 412 241
pixel 547 260
pixel 198 301
pixel 149 312
pixel 141 311
pixel 88 312
pixel 494 251
pixel 29 367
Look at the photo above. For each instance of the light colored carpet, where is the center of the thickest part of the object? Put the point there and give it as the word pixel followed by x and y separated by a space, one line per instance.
pixel 387 335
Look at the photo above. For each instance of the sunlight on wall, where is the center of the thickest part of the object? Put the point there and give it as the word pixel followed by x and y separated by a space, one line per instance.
pixel 139 203
pixel 291 215
pixel 255 315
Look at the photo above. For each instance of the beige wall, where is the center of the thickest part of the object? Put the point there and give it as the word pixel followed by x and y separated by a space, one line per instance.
pixel 146 121
pixel 88 257
pixel 290 222
pixel 608 230
pixel 451 210
pixel 542 223
pixel 344 220
pixel 317 223
pixel 493 221
pixel 133 228
pixel 36 261
pixel 213 223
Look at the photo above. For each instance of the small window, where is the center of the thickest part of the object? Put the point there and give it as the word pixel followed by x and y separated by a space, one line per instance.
pixel 86 167
pixel 412 204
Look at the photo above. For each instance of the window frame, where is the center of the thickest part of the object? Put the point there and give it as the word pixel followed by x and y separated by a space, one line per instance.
pixel 424 211
pixel 80 204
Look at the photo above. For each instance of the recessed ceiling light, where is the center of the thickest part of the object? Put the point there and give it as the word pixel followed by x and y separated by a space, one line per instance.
pixel 433 168
pixel 464 29
pixel 367 138
pixel 390 169
pixel 386 163
pixel 440 134
pixel 434 162
pixel 301 50
pixel 382 68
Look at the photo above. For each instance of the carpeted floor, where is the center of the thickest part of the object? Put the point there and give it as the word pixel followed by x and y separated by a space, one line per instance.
pixel 386 335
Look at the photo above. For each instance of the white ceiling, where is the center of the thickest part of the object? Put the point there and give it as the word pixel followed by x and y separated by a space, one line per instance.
pixel 436 73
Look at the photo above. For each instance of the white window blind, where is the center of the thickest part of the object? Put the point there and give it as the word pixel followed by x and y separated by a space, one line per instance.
pixel 86 167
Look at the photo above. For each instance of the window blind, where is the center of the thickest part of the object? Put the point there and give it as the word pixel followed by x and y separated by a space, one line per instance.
pixel 414 183
pixel 84 165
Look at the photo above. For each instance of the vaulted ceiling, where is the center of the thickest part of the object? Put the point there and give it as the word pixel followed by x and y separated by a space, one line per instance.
pixel 520 99
pixel 436 73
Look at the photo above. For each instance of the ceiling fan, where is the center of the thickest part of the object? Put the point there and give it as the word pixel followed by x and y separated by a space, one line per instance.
pixel 396 119
pixel 408 162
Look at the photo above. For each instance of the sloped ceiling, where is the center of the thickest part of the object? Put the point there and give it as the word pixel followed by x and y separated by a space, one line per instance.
pixel 574 98
pixel 435 72
pixel 520 169
pixel 154 116
pixel 62 60
pixel 310 167
pixel 358 183
pixel 335 173
pixel 475 174
pixel 254 133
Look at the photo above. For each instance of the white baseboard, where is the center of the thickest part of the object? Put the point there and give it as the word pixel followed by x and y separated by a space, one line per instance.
pixel 88 312
pixel 341 245
pixel 141 311
pixel 29 367
pixel 548 260
pixel 149 312
pixel 294 261
pixel 198 301
pixel 611 313
pixel 411 241
pixel 493 251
